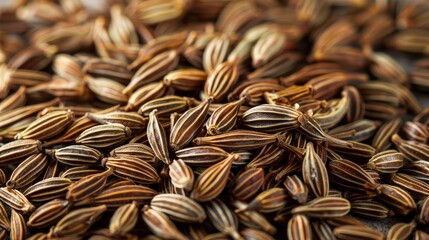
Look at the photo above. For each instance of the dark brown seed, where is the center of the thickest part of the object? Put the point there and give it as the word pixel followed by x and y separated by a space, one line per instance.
pixel 324 207
pixel 413 151
pixel 179 208
pixel 48 213
pixel 381 140
pixel 28 171
pixel 18 229
pixel 157 138
pixel 16 151
pixel 48 189
pixel 131 168
pixel 159 224
pixel 314 172
pixel 299 227
pixel 370 209
pixel 202 155
pixel 138 150
pixel 104 136
pixel 396 198
pixel 389 161
pixel 348 232
pixel 76 155
pixel 124 219
pixel 224 118
pixel 401 231
pixel 119 195
pixel 87 186
pixel 296 189
pixel 270 200
pixel 248 183
pixel 16 200
pixel 415 187
pixel 222 218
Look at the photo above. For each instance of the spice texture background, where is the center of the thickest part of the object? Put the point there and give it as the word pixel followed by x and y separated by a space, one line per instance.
pixel 201 119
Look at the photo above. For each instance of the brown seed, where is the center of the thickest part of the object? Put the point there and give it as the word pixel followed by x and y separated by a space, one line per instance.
pixel 415 187
pixel 250 233
pixel 76 155
pixel 248 184
pixel 16 151
pixel 131 168
pixel 145 94
pixel 48 213
pixel 396 198
pixel 268 155
pixel 18 228
pixel 348 232
pixel 381 140
pixel 14 101
pixel 423 211
pixel 153 70
pixel 104 136
pixel 77 222
pixel 216 52
pixel 401 231
pixel 165 105
pixel 413 151
pixel 416 131
pixel 157 138
pixel 222 218
pixel 238 140
pixel 296 189
pixel 324 207
pixel 220 80
pixel 107 90
pixel 4 218
pixel 224 118
pixel 16 200
pixel 314 172
pixel 201 155
pixel 370 209
pixel 124 219
pixel 76 173
pixel 181 175
pixel 159 224
pixel 253 219
pixel 350 176
pixel 299 227
pixel 270 200
pixel 138 150
pixel 271 118
pixel 133 121
pixel 179 208
pixel 27 171
pixel 48 189
pixel 119 195
pixel 213 180
pixel 323 230
pixel 185 79
pixel 418 169
pixel 389 161
pixel 188 125
pixel 88 186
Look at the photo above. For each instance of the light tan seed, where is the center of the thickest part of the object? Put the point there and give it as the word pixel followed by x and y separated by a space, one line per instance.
pixel 48 213
pixel 16 200
pixel 124 219
pixel 160 225
pixel 299 227
pixel 213 180
pixel 131 168
pixel 157 138
pixel 181 175
pixel 179 208
pixel 104 136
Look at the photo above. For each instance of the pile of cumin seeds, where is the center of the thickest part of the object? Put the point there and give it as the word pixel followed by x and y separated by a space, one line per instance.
pixel 200 119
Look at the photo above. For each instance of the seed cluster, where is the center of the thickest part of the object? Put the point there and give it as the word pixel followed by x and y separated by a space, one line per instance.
pixel 213 119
